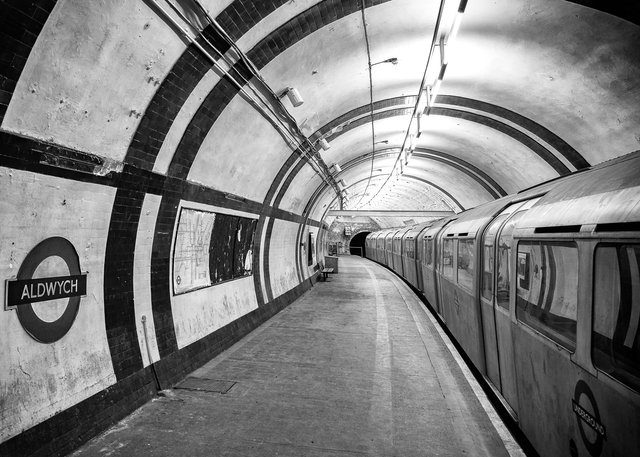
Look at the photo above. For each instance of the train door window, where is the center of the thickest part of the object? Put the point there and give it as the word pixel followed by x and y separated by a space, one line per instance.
pixel 447 257
pixel 410 246
pixel 429 250
pixel 488 256
pixel 503 281
pixel 547 296
pixel 465 263
pixel 616 312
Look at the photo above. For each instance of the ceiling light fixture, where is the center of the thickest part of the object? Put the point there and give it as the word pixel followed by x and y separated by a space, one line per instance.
pixel 294 96
pixel 427 93
pixel 324 144
pixel 391 60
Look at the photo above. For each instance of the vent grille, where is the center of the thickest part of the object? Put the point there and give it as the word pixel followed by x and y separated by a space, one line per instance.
pixel 618 227
pixel 206 385
pixel 559 229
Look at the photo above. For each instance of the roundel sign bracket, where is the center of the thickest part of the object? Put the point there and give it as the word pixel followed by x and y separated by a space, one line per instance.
pixel 24 290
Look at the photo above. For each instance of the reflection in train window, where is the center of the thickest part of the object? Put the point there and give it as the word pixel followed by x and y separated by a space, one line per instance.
pixel 616 312
pixel 547 293
pixel 447 258
pixel 503 284
pixel 465 263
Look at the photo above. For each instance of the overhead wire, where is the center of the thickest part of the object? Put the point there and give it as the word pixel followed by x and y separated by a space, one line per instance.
pixel 434 40
pixel 373 131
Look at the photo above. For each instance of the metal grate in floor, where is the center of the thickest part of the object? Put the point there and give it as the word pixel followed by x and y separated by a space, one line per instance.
pixel 206 385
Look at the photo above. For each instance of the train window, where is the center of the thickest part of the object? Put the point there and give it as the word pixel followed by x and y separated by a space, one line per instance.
pixel 503 282
pixel 410 248
pixel 547 296
pixel 447 258
pixel 488 256
pixel 616 312
pixel 465 263
pixel 429 250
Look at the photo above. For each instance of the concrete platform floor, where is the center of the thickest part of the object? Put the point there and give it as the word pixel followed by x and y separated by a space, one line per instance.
pixel 355 367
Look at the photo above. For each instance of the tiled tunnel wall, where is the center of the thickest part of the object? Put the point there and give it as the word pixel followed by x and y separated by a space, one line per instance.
pixel 121 213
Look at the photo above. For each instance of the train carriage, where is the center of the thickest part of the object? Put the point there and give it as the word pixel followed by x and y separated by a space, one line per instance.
pixel 457 265
pixel 428 260
pixel 410 252
pixel 380 247
pixel 542 291
pixel 396 263
pixel 575 302
pixel 370 245
pixel 388 248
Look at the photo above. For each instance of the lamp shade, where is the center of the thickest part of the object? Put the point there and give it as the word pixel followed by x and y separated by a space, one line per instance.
pixel 324 144
pixel 294 97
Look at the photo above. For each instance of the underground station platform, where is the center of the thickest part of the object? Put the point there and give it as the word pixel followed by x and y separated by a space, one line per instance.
pixel 356 366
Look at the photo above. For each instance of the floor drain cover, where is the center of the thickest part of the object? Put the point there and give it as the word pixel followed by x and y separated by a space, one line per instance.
pixel 206 385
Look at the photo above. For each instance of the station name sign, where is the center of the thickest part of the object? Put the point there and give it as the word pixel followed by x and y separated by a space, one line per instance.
pixel 24 291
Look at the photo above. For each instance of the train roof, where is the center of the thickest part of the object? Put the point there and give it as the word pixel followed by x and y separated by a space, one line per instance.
pixel 470 221
pixel 400 233
pixel 415 231
pixel 604 195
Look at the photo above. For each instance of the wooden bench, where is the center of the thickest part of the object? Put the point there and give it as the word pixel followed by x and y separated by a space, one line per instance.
pixel 325 273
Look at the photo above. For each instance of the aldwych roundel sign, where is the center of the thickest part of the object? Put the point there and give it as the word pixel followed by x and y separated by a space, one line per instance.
pixel 25 290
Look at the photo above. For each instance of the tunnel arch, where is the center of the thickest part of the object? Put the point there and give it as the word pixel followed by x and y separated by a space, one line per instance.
pixel 357 244
pixel 112 122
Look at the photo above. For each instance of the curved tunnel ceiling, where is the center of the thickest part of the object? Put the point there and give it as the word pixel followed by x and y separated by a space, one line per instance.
pixel 533 90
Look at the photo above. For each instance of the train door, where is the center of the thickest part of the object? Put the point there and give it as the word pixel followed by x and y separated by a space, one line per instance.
pixel 500 297
pixel 487 301
pixel 439 264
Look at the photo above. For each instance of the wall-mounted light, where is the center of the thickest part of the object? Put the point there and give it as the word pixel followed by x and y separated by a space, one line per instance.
pixel 324 144
pixel 391 60
pixel 294 96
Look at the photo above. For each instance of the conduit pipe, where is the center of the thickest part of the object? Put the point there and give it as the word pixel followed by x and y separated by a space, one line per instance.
pixel 295 144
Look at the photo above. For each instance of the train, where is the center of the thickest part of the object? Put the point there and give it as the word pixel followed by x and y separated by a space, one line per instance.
pixel 541 291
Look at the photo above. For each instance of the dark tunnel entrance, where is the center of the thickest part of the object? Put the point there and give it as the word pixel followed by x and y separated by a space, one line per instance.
pixel 357 244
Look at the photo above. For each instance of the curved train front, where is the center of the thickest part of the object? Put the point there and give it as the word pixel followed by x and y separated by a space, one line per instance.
pixel 542 291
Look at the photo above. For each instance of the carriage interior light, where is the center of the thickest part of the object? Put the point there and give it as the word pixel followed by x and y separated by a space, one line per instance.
pixel 337 168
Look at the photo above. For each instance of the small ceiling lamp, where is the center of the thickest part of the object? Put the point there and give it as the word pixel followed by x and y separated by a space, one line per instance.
pixel 391 60
pixel 294 96
pixel 324 144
